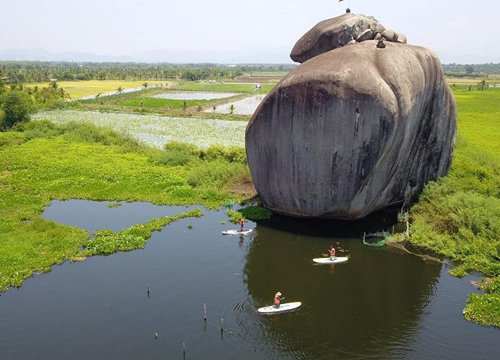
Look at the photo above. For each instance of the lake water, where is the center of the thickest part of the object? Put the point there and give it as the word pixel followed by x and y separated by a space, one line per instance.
pixel 381 304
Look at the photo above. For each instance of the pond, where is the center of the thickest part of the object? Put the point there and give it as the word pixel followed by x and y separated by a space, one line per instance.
pixel 381 304
pixel 123 91
pixel 245 106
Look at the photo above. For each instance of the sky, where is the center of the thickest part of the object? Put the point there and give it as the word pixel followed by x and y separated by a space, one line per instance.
pixel 457 30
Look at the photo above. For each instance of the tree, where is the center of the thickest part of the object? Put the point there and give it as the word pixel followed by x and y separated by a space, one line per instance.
pixel 469 69
pixel 482 85
pixel 16 106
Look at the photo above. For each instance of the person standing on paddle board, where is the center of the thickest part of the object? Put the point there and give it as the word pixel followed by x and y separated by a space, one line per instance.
pixel 331 250
pixel 277 299
pixel 242 222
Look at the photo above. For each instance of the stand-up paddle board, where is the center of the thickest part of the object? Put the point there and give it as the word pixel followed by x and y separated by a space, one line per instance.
pixel 327 260
pixel 283 307
pixel 236 232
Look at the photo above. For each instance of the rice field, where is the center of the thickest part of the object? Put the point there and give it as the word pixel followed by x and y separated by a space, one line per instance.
pixel 84 88
pixel 156 130
pixel 194 95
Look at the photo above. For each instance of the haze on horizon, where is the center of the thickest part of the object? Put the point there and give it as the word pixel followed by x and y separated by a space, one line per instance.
pixel 459 31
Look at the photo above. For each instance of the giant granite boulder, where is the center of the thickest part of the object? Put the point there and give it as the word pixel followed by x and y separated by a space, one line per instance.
pixel 352 130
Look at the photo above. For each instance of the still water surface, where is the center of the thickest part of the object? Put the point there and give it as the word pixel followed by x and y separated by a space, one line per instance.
pixel 381 304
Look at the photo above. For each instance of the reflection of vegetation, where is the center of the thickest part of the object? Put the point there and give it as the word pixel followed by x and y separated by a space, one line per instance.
pixel 113 204
pixel 459 215
pixel 108 242
pixel 79 161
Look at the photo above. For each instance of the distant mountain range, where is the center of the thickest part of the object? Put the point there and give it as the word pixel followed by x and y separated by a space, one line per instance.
pixel 279 55
pixel 252 56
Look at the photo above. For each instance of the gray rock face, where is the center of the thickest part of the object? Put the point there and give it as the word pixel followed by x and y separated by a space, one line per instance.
pixel 343 30
pixel 331 34
pixel 352 130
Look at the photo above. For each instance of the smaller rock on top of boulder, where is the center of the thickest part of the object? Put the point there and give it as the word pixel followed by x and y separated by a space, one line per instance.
pixel 340 31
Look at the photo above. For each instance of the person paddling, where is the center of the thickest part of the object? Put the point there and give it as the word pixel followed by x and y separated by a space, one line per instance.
pixel 331 251
pixel 241 222
pixel 277 299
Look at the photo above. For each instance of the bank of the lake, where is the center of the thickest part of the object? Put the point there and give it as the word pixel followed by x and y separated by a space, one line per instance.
pixel 79 161
pixel 458 216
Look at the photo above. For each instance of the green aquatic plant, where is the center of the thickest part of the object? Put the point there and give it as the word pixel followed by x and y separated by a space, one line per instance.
pixel 233 215
pixel 107 242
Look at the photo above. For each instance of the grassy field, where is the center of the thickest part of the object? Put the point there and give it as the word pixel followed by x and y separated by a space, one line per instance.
pixel 459 215
pixel 233 87
pixel 492 80
pixel 79 161
pixel 78 89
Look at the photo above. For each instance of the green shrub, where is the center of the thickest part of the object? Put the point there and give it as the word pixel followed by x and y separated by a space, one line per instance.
pixel 176 154
pixel 80 132
pixel 17 107
pixel 41 129
pixel 214 173
pixel 232 154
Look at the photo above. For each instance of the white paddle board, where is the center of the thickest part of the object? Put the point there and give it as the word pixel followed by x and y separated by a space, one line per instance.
pixel 236 232
pixel 327 260
pixel 283 307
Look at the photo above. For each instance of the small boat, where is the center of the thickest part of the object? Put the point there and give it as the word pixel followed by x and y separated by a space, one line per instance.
pixel 327 260
pixel 282 308
pixel 236 232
